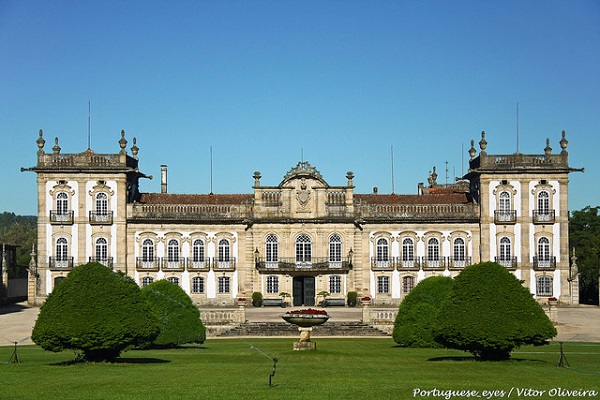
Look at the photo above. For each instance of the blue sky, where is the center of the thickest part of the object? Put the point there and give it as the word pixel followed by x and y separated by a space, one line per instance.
pixel 266 83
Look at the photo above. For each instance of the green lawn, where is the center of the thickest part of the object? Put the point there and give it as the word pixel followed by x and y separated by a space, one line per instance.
pixel 339 369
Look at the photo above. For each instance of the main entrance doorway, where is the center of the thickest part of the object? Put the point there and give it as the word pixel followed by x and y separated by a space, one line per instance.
pixel 304 290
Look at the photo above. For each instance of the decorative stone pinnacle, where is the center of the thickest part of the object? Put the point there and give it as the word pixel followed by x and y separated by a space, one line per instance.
pixel 40 142
pixel 134 149
pixel 123 142
pixel 56 148
pixel 563 143
pixel 548 149
pixel 483 142
pixel 472 151
pixel 256 177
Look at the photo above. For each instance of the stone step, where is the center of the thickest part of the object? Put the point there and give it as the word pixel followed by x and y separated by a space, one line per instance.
pixel 285 329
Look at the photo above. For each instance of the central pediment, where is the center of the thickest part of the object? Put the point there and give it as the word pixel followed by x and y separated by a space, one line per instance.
pixel 303 171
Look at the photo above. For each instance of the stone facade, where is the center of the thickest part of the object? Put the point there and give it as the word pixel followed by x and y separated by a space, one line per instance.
pixel 303 236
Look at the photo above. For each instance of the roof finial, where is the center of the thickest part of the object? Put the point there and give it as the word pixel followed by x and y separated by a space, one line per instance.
pixel 123 142
pixel 56 148
pixel 472 151
pixel 548 149
pixel 40 142
pixel 563 143
pixel 134 149
pixel 483 143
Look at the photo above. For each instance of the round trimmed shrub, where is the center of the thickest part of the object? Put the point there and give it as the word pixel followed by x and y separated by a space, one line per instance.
pixel 418 312
pixel 489 313
pixel 178 316
pixel 97 312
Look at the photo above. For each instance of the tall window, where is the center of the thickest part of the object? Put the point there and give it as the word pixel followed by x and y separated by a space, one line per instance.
pixel 544 285
pixel 408 283
pixel 148 253
pixel 62 203
pixel 223 284
pixel 382 253
pixel 504 202
pixel 383 284
pixel 197 284
pixel 173 253
pixel 408 252
pixel 62 252
pixel 174 280
pixel 505 252
pixel 459 258
pixel 101 251
pixel 433 252
pixel 335 251
pixel 146 280
pixel 198 253
pixel 101 204
pixel 335 284
pixel 272 251
pixel 303 251
pixel 224 255
pixel 543 203
pixel 272 284
pixel 543 252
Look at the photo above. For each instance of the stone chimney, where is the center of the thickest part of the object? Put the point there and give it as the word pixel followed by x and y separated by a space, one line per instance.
pixel 163 178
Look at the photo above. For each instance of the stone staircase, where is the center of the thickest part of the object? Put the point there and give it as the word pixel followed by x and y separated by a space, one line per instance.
pixel 258 329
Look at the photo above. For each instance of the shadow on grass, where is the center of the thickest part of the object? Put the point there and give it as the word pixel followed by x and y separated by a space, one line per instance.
pixel 472 358
pixel 132 360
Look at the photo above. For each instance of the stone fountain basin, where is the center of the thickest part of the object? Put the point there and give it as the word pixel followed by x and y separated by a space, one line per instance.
pixel 305 320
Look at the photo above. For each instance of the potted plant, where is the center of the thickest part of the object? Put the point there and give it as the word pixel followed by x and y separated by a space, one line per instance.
pixel 257 299
pixel 323 296
pixel 241 301
pixel 552 301
pixel 352 299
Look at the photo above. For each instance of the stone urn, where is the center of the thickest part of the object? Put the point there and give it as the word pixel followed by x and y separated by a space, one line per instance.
pixel 305 320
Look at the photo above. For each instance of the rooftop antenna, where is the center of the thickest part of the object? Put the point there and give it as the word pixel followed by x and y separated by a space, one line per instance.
pixel 392 155
pixel 89 125
pixel 517 126
pixel 462 160
pixel 446 173
pixel 302 154
pixel 211 171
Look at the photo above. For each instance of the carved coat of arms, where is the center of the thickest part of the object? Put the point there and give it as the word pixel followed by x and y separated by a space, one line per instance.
pixel 303 195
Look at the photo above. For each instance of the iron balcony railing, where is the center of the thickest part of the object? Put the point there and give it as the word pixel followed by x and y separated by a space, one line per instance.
pixel 505 216
pixel 60 263
pixel 507 262
pixel 106 261
pixel 101 217
pixel 544 263
pixel 543 217
pixel 314 264
pixel 61 217
pixel 198 264
pixel 184 263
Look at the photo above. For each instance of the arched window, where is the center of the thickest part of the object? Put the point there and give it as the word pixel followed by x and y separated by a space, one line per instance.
pixel 335 251
pixel 505 256
pixel 504 203
pixel 272 284
pixel 408 283
pixel 303 251
pixel 62 253
pixel 173 253
pixel 408 251
pixel 146 280
pixel 543 203
pixel 459 256
pixel 198 252
pixel 271 251
pixel 382 253
pixel 197 284
pixel 174 280
pixel 148 253
pixel 433 252
pixel 224 258
pixel 335 284
pixel 101 204
pixel 62 203
pixel 544 285
pixel 543 252
pixel 101 251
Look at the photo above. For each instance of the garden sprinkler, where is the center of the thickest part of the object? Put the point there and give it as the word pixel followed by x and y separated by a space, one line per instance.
pixel 14 358
pixel 272 373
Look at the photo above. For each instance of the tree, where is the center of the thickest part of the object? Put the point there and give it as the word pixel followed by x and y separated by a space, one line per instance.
pixel 584 236
pixel 97 312
pixel 20 231
pixel 490 313
pixel 178 316
pixel 418 312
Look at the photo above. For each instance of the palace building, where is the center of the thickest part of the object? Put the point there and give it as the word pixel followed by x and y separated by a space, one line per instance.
pixel 301 235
